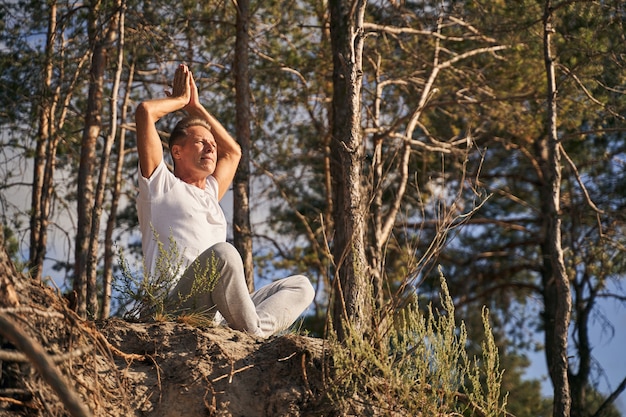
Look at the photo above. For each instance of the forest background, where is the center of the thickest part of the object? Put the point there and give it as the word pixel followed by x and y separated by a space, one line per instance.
pixel 461 116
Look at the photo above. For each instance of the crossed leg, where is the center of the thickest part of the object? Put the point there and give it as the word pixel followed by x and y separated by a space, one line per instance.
pixel 263 313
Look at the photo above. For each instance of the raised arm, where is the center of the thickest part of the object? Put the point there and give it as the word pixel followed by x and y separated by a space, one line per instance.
pixel 149 112
pixel 228 150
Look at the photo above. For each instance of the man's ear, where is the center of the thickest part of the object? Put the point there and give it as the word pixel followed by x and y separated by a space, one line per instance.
pixel 175 151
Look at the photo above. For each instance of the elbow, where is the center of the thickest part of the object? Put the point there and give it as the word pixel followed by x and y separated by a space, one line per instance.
pixel 145 115
pixel 232 152
pixel 141 113
pixel 237 152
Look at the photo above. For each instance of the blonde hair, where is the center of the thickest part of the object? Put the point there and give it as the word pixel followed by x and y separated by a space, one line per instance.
pixel 180 130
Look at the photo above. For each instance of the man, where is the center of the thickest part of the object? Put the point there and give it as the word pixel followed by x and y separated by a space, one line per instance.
pixel 183 207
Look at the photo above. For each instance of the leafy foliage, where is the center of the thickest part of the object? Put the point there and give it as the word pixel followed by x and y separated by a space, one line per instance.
pixel 152 295
pixel 418 366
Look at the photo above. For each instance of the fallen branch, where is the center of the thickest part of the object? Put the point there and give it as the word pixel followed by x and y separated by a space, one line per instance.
pixel 13 356
pixel 12 401
pixel 44 365
pixel 232 372
pixel 32 310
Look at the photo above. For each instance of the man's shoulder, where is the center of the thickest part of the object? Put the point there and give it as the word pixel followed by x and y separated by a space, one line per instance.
pixel 160 181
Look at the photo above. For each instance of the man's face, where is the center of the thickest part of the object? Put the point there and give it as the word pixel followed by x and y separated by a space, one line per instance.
pixel 197 152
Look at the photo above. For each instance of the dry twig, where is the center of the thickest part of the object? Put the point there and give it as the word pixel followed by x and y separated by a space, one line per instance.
pixel 44 365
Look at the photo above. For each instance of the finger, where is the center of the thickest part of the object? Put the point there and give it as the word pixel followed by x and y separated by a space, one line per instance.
pixel 190 79
pixel 192 83
pixel 179 75
pixel 180 80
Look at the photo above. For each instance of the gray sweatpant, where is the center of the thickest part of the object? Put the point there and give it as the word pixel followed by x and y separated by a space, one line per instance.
pixel 263 313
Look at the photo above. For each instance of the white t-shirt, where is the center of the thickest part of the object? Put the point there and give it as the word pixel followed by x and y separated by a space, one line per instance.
pixel 170 209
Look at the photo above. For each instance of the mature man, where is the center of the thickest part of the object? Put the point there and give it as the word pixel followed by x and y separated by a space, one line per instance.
pixel 183 207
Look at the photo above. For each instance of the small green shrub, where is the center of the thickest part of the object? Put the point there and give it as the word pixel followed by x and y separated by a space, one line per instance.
pixel 152 295
pixel 416 365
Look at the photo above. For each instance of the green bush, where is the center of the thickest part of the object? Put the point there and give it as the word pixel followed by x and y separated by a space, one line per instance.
pixel 417 365
pixel 152 295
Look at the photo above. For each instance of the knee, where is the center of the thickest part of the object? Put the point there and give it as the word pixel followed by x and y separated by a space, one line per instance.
pixel 306 289
pixel 225 252
pixel 221 257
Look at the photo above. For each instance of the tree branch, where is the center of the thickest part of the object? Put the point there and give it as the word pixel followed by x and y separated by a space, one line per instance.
pixel 580 182
pixel 588 93
pixel 12 356
pixel 610 399
pixel 44 365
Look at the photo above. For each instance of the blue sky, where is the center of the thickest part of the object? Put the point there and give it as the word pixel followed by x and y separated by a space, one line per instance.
pixel 608 350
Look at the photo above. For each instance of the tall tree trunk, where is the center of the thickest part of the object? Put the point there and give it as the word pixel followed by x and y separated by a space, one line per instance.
pixel 242 231
pixel 557 297
pixel 109 252
pixel 116 29
pixel 352 287
pixel 52 116
pixel 84 287
pixel 39 213
pixel 585 300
